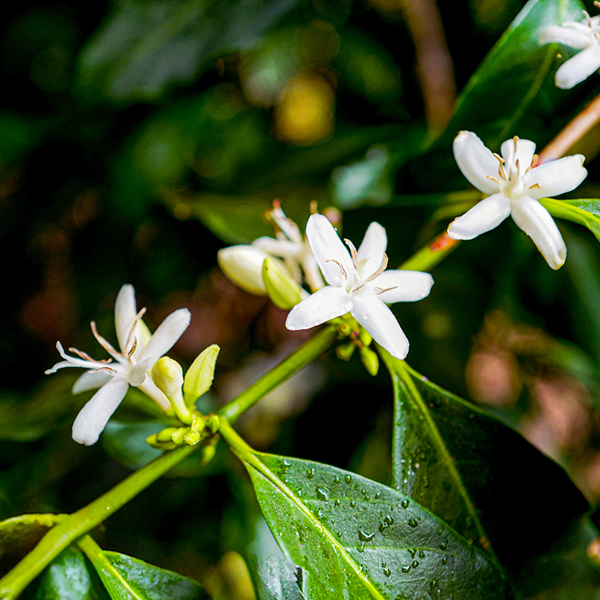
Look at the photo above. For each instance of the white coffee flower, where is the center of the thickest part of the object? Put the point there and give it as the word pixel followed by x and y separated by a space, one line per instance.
pixel 358 284
pixel 139 352
pixel 581 36
pixel 515 186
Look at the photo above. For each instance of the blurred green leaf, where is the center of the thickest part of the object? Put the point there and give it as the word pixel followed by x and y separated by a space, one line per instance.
pixel 517 74
pixel 278 579
pixel 586 212
pixel 145 47
pixel 67 578
pixel 356 538
pixel 126 577
pixel 469 469
pixel 52 405
pixel 20 534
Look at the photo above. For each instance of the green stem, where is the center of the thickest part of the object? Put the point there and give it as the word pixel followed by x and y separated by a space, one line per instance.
pixel 80 522
pixel 303 356
pixel 430 255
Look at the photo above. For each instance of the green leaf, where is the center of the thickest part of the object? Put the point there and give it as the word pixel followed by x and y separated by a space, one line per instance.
pixel 20 534
pixel 477 474
pixel 128 578
pixel 359 539
pixel 145 47
pixel 278 579
pixel 586 212
pixel 517 74
pixel 67 578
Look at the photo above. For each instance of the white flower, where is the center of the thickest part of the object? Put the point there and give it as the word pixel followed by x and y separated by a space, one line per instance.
pixel 358 284
pixel 139 352
pixel 581 36
pixel 514 187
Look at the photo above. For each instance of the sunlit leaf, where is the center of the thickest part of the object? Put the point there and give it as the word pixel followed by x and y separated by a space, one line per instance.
pixel 586 212
pixel 145 47
pixel 358 539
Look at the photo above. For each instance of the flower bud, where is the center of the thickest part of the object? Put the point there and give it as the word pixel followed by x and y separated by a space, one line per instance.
pixel 167 375
pixel 370 360
pixel 281 288
pixel 243 265
pixel 199 376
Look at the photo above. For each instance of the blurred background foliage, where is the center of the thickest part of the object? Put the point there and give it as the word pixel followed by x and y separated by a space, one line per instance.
pixel 139 137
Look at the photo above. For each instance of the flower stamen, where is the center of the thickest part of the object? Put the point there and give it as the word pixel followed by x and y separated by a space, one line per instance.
pixel 353 252
pixel 340 266
pixel 105 343
pixel 131 335
pixel 380 291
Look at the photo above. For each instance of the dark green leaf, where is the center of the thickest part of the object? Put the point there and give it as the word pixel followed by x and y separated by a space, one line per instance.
pixel 586 212
pixel 123 576
pixel 67 578
pixel 145 47
pixel 20 534
pixel 359 539
pixel 476 473
pixel 278 579
pixel 518 73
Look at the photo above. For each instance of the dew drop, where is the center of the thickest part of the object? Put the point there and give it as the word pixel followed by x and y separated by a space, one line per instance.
pixel 412 552
pixel 299 493
pixel 413 522
pixel 389 519
pixel 421 553
pixel 415 564
pixel 363 491
pixel 311 473
pixel 361 547
pixel 286 463
pixel 383 526
pixel 348 479
pixel 339 534
pixel 405 569
pixel 337 502
pixel 387 572
pixel 336 479
pixel 383 563
pixel 443 545
pixel 352 503
pixel 405 503
pixel 365 537
pixel 377 496
pixel 322 494
pixel 444 560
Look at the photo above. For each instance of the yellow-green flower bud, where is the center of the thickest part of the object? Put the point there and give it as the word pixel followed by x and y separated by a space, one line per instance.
pixel 243 265
pixel 200 375
pixel 370 360
pixel 281 288
pixel 345 351
pixel 167 374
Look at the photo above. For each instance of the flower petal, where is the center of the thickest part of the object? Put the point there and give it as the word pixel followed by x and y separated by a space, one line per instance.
pixel 325 304
pixel 168 332
pixel 485 215
pixel 568 36
pixel 537 223
pixel 381 323
pixel 92 418
pixel 243 266
pixel 476 162
pixel 331 253
pixel 556 177
pixel 90 381
pixel 401 286
pixel 125 313
pixel 372 250
pixel 279 248
pixel 578 68
pixel 524 153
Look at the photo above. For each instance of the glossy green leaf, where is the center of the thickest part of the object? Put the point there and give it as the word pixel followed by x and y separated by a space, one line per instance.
pixel 517 74
pixel 278 579
pixel 67 578
pixel 20 534
pixel 586 212
pixel 359 539
pixel 145 47
pixel 476 473
pixel 128 578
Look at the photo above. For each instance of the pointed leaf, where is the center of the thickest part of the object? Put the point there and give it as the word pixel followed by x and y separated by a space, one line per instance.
pixel 199 376
pixel 358 539
pixel 586 212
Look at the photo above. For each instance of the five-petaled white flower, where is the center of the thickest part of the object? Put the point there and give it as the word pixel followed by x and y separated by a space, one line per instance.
pixel 581 36
pixel 139 352
pixel 358 284
pixel 515 186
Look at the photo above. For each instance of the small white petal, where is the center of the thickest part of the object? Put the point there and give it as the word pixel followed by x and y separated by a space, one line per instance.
pixel 484 216
pixel 371 251
pixel 243 265
pixel 568 36
pixel 323 305
pixel 90 381
pixel 524 153
pixel 93 417
pixel 125 313
pixel 330 252
pixel 168 332
pixel 556 177
pixel 137 374
pixel 381 323
pixel 537 223
pixel 279 248
pixel 402 286
pixel 149 388
pixel 578 68
pixel 476 162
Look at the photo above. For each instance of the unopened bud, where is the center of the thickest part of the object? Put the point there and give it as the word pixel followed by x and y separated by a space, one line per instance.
pixel 243 265
pixel 199 376
pixel 281 288
pixel 345 351
pixel 167 374
pixel 370 360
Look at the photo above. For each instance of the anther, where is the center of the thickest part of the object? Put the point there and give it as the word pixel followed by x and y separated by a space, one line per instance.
pixel 493 178
pixel 131 336
pixel 340 266
pixel 379 290
pixel 353 253
pixel 515 140
pixel 588 19
pixel 535 185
